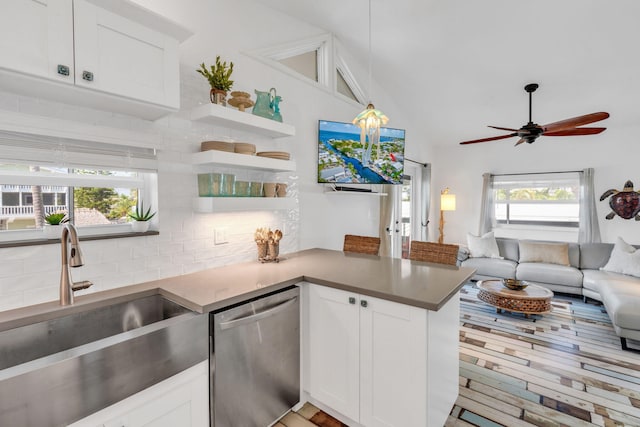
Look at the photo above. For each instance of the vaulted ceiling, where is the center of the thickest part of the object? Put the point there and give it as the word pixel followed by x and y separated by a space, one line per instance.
pixel 456 66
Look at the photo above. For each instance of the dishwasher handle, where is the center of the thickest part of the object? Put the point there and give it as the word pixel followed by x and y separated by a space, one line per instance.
pixel 258 316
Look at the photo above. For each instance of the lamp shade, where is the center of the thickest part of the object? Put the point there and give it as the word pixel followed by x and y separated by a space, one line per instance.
pixel 447 201
pixel 370 118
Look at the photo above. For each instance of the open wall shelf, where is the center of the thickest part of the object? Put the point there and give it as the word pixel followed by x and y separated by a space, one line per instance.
pixel 239 120
pixel 230 204
pixel 224 158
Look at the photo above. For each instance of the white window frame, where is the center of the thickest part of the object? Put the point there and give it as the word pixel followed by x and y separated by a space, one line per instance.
pixel 322 44
pixel 145 182
pixel 349 78
pixel 46 141
pixel 536 229
pixel 329 61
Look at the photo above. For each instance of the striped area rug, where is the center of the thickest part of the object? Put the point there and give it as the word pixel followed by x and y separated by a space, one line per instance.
pixel 565 368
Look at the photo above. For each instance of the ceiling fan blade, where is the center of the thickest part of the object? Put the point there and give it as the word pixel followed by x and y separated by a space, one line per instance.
pixel 574 122
pixel 520 141
pixel 576 131
pixel 493 138
pixel 499 128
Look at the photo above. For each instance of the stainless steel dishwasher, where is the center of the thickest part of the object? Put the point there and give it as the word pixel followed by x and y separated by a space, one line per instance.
pixel 255 360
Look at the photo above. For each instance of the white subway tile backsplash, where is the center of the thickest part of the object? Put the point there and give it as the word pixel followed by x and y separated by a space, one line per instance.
pixel 30 275
pixel 11 268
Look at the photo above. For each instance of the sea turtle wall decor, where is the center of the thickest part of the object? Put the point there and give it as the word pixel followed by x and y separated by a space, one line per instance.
pixel 625 203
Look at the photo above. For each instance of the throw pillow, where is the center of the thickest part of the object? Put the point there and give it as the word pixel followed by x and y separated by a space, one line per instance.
pixel 624 259
pixel 483 246
pixel 550 253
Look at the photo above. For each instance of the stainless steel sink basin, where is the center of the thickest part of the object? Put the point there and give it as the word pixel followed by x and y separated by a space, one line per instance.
pixel 58 371
pixel 37 340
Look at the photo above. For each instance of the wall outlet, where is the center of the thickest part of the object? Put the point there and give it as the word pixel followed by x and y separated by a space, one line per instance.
pixel 220 236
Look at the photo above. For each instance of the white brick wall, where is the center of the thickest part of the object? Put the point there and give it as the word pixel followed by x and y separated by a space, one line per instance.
pixel 30 275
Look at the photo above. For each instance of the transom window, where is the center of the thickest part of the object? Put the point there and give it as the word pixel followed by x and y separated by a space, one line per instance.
pixel 319 60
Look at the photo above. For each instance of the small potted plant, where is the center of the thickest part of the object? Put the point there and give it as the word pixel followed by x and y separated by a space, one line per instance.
pixel 218 76
pixel 141 218
pixel 53 221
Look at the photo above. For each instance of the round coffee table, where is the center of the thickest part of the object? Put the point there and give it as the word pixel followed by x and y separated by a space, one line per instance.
pixel 533 299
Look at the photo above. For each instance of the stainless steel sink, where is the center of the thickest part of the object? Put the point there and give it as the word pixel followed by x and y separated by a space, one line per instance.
pixel 58 371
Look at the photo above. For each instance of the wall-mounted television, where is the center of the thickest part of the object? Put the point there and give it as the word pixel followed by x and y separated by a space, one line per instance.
pixel 344 158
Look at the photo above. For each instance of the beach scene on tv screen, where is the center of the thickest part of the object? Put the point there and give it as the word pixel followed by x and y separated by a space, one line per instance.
pixel 344 159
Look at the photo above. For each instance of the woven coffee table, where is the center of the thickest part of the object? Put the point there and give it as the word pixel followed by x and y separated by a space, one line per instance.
pixel 533 299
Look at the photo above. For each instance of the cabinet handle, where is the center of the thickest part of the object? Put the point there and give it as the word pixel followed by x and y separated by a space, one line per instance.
pixel 63 70
pixel 87 75
pixel 352 300
pixel 364 303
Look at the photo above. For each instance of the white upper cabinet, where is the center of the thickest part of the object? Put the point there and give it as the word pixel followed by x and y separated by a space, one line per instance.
pixel 119 56
pixel 112 55
pixel 37 38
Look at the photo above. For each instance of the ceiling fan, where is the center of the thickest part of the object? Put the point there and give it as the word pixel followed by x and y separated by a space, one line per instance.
pixel 531 131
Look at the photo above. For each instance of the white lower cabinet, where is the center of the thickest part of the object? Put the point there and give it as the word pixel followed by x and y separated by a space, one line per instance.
pixel 182 400
pixel 381 363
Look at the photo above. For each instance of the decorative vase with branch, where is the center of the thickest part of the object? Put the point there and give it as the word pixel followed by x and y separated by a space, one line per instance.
pixel 219 77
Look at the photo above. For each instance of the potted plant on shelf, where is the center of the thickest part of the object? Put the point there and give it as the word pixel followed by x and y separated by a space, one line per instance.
pixel 52 224
pixel 141 218
pixel 218 76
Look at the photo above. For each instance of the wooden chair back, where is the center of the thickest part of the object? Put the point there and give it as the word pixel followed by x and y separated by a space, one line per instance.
pixel 361 244
pixel 440 253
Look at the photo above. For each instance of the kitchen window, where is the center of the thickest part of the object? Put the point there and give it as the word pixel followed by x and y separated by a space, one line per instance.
pixel 95 185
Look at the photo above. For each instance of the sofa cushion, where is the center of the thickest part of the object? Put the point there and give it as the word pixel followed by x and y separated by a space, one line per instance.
pixel 549 253
pixel 508 248
pixel 621 298
pixel 483 246
pixel 624 259
pixel 492 267
pixel 549 273
pixel 594 279
pixel 594 255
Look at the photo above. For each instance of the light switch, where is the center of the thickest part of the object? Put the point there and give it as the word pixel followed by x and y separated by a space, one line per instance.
pixel 220 236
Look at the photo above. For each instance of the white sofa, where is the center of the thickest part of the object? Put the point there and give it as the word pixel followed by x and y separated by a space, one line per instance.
pixel 619 293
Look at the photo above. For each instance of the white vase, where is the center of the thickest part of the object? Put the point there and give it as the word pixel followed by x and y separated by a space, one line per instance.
pixel 52 231
pixel 140 226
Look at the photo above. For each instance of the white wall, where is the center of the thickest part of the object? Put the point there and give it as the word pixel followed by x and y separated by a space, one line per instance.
pixel 30 275
pixel 612 154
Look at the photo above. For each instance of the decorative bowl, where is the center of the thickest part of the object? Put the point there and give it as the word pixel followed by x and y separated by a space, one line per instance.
pixel 514 284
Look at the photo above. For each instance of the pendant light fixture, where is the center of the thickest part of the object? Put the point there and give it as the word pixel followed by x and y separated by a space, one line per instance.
pixel 370 119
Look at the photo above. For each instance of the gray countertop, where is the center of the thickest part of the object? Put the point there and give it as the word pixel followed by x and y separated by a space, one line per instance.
pixel 414 283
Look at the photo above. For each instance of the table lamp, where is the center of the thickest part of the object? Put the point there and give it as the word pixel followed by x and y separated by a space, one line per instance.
pixel 447 203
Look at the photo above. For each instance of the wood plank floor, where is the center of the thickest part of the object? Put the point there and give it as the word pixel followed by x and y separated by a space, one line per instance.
pixel 565 368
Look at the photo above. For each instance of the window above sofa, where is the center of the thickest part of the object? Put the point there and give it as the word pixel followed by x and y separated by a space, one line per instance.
pixel 545 206
pixel 550 200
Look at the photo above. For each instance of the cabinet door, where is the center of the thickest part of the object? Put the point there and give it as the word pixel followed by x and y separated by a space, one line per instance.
pixel 36 36
pixel 116 55
pixel 334 347
pixel 393 364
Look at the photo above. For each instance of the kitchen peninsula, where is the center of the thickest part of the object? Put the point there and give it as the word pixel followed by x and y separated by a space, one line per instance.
pixel 379 335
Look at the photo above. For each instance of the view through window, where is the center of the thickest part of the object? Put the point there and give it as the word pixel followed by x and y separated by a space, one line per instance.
pixel 29 195
pixel 538 200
